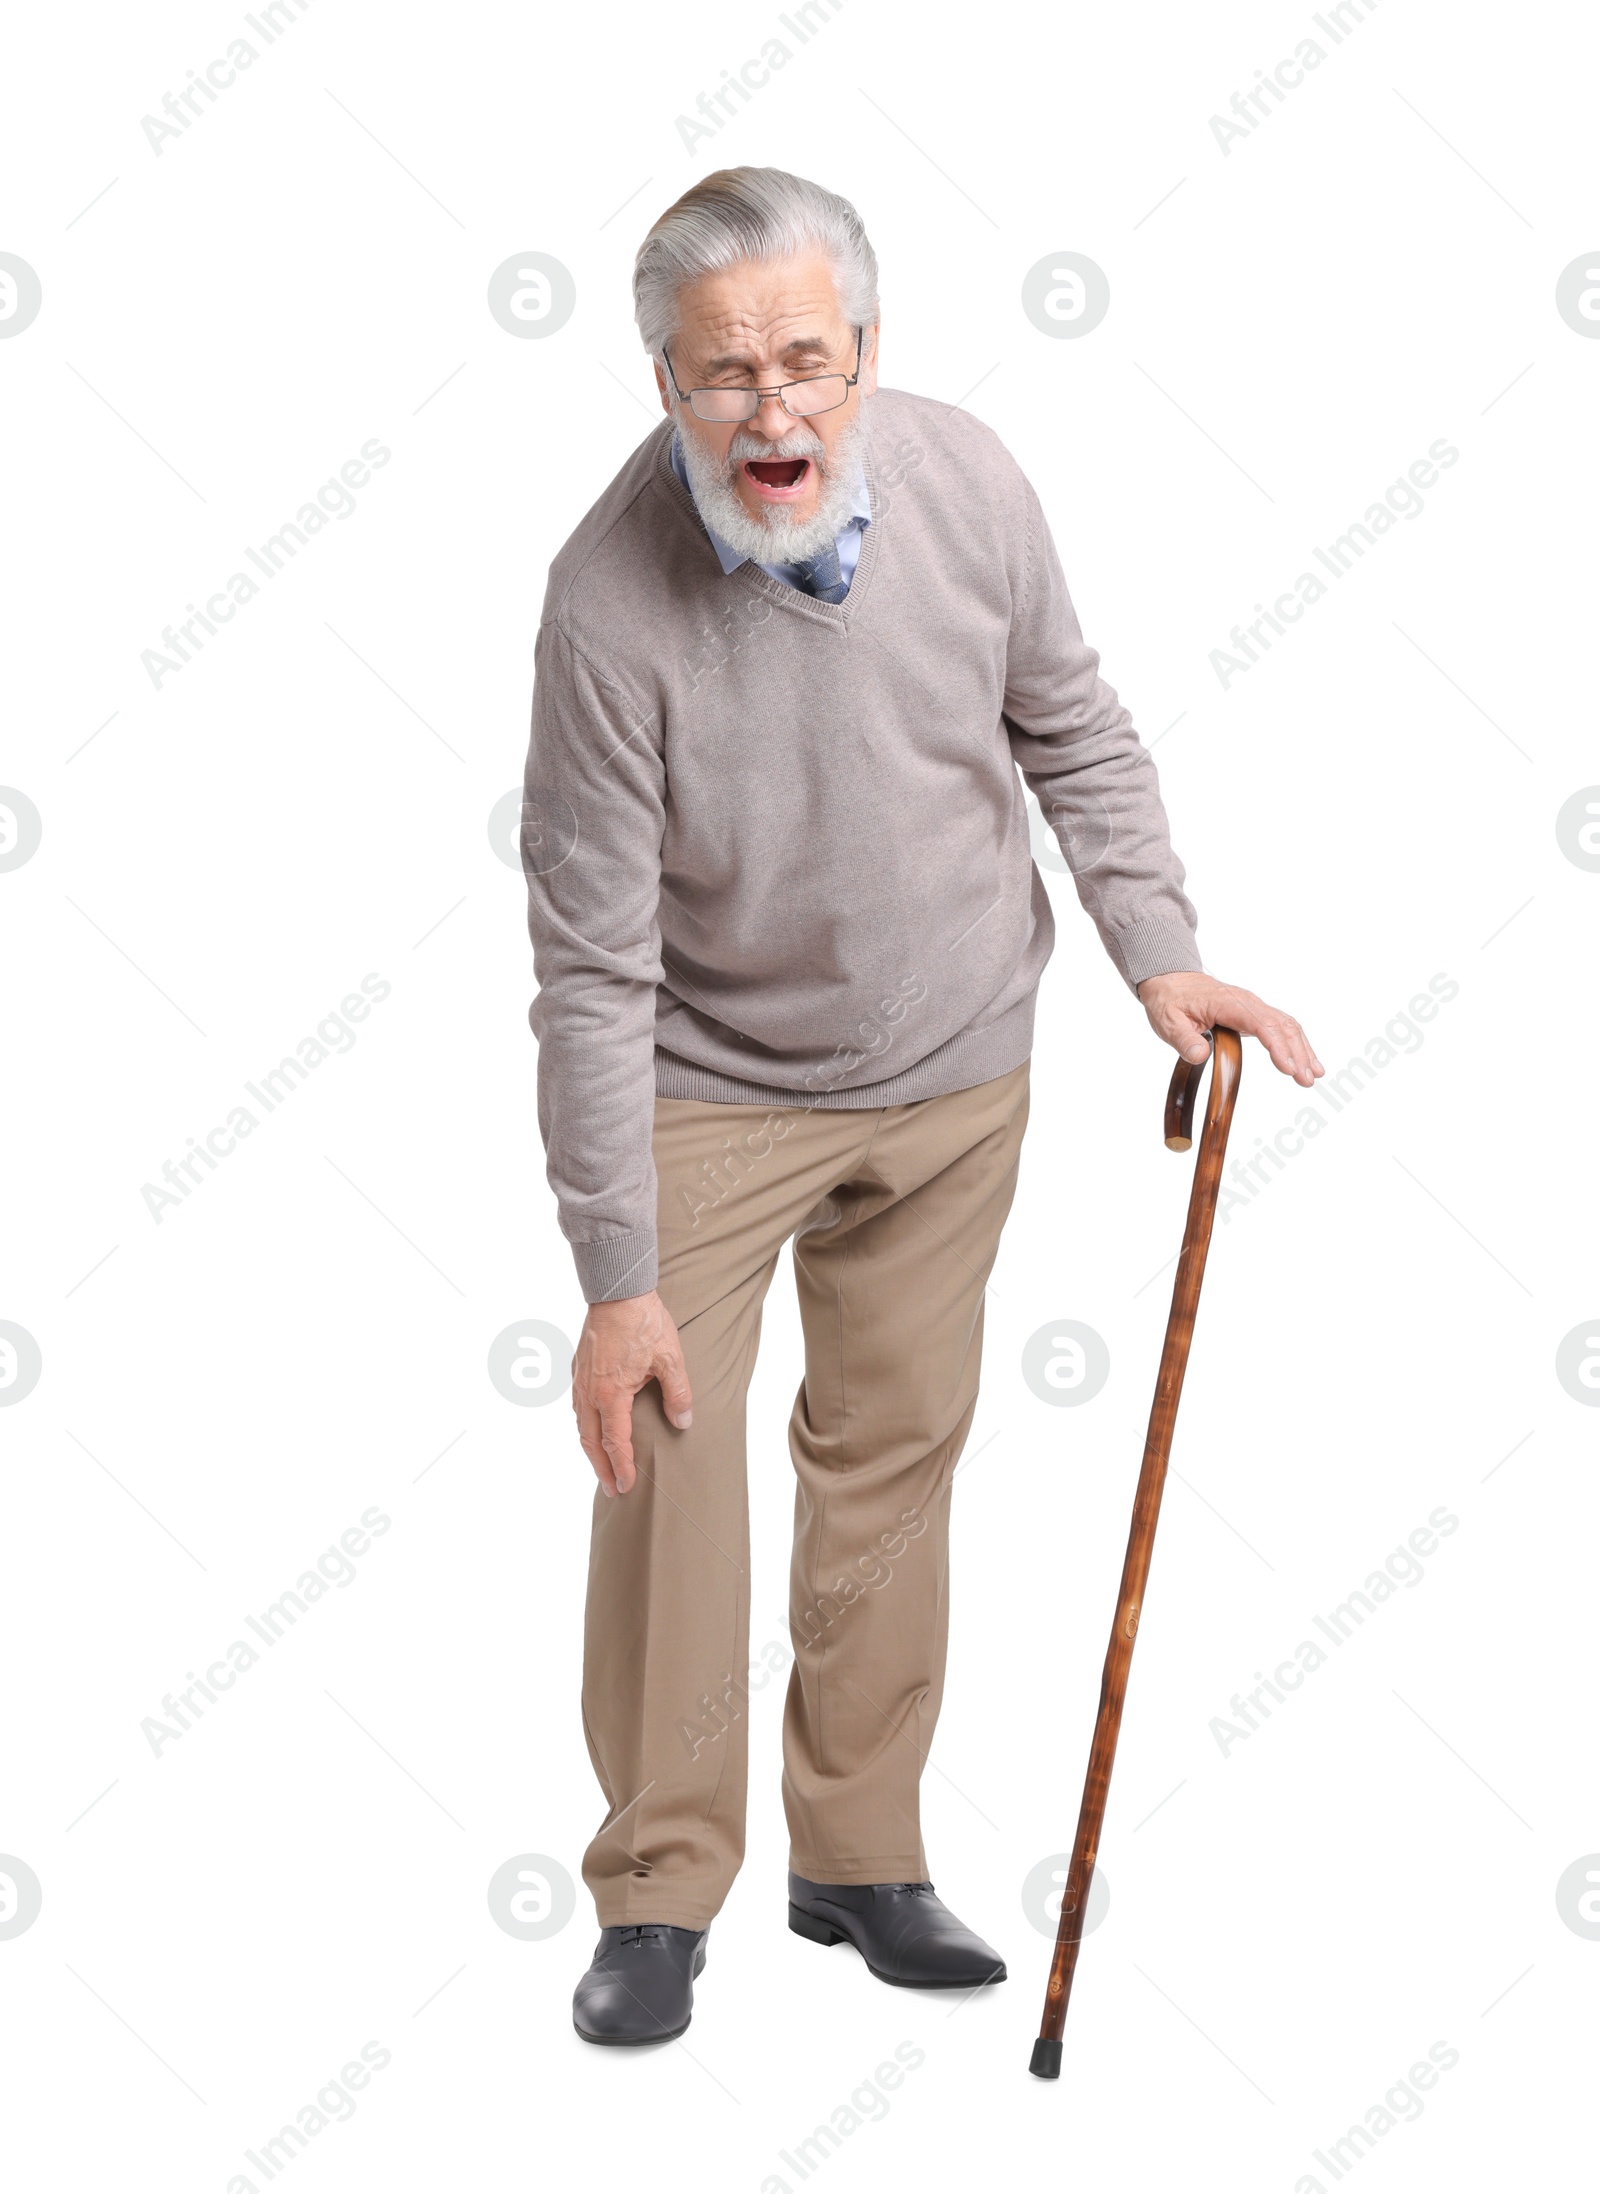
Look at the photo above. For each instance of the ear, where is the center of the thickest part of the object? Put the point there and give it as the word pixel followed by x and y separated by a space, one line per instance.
pixel 661 385
pixel 869 364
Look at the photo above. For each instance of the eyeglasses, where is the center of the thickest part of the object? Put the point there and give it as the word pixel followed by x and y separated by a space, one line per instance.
pixel 800 399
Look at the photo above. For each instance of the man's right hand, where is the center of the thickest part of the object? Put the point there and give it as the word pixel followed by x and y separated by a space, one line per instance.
pixel 622 1347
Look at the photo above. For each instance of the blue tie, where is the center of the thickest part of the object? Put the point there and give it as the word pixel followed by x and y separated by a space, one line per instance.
pixel 822 576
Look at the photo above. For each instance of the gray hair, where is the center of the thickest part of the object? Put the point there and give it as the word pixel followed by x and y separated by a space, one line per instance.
pixel 750 213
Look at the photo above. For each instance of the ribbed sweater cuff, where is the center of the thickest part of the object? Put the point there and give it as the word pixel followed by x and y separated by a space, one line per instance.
pixel 1156 948
pixel 617 1266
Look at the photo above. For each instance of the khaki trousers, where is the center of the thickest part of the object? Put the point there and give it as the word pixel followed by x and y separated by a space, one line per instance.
pixel 896 1216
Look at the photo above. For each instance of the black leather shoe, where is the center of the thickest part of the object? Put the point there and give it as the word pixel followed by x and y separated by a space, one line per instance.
pixel 900 1928
pixel 640 1987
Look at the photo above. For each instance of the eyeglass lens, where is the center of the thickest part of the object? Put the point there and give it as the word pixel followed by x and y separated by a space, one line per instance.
pixel 804 398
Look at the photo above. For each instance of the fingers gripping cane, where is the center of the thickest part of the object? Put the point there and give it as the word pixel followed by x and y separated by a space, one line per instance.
pixel 1146 1509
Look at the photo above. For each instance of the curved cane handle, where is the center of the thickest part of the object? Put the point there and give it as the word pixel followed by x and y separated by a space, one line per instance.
pixel 1178 1123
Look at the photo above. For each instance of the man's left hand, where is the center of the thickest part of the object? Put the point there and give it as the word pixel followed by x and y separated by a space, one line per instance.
pixel 1183 1010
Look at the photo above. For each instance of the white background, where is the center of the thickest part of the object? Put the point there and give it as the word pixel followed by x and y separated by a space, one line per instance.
pixel 224 1393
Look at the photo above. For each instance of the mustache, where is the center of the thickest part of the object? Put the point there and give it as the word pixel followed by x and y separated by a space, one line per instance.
pixel 800 441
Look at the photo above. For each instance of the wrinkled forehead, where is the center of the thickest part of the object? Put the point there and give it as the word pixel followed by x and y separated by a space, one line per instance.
pixel 761 312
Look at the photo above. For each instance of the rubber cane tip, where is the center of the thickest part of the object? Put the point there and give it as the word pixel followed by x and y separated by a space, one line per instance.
pixel 1045 2063
pixel 1178 1142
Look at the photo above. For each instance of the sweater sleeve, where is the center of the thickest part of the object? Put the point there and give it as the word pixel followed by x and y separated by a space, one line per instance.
pixel 1096 784
pixel 592 820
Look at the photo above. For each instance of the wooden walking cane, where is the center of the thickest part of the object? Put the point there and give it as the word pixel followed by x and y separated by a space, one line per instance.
pixel 1225 1057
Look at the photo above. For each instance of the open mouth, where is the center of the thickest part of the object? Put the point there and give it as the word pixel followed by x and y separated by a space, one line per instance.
pixel 777 479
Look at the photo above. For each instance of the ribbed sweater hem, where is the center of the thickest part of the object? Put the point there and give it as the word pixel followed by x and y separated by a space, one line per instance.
pixel 970 1057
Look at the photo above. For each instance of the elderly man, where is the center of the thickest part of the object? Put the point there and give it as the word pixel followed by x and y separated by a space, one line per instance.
pixel 788 938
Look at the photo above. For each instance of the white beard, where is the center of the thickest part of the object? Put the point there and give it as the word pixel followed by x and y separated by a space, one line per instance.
pixel 775 537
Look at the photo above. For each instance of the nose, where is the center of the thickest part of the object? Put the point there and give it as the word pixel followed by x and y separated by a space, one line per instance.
pixel 772 420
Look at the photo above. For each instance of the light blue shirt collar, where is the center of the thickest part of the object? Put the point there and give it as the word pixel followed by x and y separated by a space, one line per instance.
pixel 848 541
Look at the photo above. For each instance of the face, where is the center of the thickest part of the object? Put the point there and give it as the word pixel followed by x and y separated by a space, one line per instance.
pixel 755 325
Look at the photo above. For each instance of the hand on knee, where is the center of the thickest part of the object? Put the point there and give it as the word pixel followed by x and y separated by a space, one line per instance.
pixel 623 1346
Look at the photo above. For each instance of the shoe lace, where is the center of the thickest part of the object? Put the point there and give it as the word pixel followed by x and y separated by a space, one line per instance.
pixel 635 1938
pixel 913 1889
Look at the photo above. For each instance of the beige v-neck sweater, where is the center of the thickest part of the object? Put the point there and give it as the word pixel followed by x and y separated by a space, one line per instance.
pixel 777 849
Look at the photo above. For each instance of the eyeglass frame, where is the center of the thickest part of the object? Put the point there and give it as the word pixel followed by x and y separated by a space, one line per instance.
pixel 687 396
